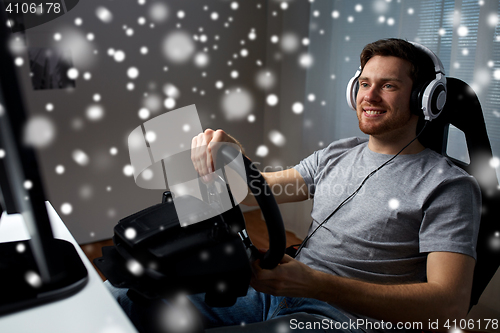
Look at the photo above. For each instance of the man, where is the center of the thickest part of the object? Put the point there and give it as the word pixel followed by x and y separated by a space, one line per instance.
pixel 401 251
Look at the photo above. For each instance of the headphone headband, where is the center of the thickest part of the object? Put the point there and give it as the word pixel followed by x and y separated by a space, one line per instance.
pixel 438 65
pixel 428 98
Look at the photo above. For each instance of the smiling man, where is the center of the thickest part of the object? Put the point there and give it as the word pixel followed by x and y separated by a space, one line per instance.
pixel 394 256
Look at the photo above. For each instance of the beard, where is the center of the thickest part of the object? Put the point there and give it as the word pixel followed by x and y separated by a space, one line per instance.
pixel 391 121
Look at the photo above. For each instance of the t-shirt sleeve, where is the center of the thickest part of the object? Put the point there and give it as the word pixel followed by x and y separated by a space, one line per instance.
pixel 310 166
pixel 451 217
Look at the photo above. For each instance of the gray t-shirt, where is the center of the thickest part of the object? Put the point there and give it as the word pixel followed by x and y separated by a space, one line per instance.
pixel 416 204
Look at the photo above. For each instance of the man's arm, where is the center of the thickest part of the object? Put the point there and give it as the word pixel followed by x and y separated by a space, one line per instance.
pixel 286 186
pixel 445 295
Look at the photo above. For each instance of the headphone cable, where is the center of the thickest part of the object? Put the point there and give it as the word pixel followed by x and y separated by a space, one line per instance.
pixel 357 190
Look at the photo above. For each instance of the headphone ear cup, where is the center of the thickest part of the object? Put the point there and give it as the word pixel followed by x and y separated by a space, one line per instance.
pixel 355 90
pixel 352 90
pixel 416 98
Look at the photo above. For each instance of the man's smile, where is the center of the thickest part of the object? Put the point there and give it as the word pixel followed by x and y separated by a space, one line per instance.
pixel 372 112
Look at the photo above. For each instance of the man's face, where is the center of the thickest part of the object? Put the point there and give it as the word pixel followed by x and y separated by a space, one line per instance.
pixel 383 100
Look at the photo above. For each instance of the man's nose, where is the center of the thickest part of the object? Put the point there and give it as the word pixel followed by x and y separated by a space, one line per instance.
pixel 372 95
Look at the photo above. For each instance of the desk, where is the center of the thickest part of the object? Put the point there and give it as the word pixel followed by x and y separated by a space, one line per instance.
pixel 92 310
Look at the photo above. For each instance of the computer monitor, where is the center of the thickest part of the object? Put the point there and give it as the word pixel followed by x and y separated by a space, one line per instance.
pixel 54 262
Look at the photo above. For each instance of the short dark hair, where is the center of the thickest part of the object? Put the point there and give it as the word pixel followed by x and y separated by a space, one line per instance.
pixel 422 67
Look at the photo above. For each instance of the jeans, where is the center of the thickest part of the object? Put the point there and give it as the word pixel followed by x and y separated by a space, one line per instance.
pixel 256 312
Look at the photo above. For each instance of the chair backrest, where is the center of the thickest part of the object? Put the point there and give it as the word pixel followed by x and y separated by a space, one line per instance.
pixel 463 111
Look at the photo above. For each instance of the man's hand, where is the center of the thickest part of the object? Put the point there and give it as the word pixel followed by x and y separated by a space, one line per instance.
pixel 202 151
pixel 444 296
pixel 290 278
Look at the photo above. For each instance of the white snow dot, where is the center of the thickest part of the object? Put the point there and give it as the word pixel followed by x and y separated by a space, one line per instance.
pixel 135 267
pixel 493 20
pixel 214 16
pixel 169 103
pixel 104 14
pixel 201 59
pixel 462 31
pixel 277 138
pixel 39 132
pixel 80 157
pixel 119 55
pixel 272 100
pixel 496 74
pixel 19 61
pixel 394 204
pixel 72 73
pixel 20 247
pixel 60 169
pixel 95 112
pixel 132 73
pixel 113 151
pixel 28 184
pixel 495 162
pixel 49 107
pixel 335 14
pixel 144 113
pixel 181 14
pixel 297 108
pixel 33 279
pixel 306 60
pixel 66 208
pixel 130 233
pixel 262 151
pixel 151 136
pixel 128 170
pixel 158 12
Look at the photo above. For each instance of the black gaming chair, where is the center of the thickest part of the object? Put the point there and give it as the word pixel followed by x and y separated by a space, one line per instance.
pixel 463 111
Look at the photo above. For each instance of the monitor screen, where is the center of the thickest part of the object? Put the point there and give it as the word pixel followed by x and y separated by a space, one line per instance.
pixel 60 270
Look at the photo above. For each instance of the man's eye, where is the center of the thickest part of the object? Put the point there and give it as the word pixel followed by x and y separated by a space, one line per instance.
pixel 389 86
pixel 364 85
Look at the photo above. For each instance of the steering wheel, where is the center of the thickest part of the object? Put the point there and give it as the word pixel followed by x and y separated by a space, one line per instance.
pixel 250 173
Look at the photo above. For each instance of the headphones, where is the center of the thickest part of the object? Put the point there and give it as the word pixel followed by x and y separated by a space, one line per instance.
pixel 428 98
